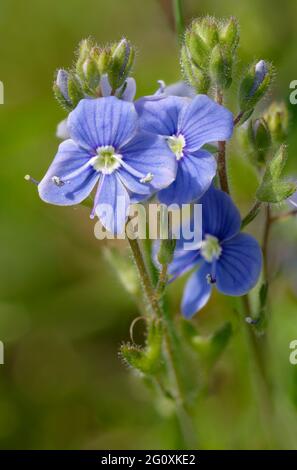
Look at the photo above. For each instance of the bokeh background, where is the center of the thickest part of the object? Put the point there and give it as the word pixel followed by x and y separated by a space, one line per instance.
pixel 63 311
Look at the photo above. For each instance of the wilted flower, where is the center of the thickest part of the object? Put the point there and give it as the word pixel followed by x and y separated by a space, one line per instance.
pixel 187 125
pixel 227 258
pixel 107 149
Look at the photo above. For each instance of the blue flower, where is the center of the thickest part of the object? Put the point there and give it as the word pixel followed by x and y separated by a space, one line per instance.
pixel 227 258
pixel 187 125
pixel 107 150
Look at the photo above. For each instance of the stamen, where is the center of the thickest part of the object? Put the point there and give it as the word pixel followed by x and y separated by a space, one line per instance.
pixel 147 178
pixel 210 279
pixel 31 180
pixel 97 195
pixel 71 175
pixel 176 143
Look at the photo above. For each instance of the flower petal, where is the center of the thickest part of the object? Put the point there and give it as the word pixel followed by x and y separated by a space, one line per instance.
pixel 113 204
pixel 159 114
pixel 69 159
pixel 130 90
pixel 220 217
pixel 148 153
pixel 239 267
pixel 103 121
pixel 183 262
pixel 180 89
pixel 197 292
pixel 194 176
pixel 204 121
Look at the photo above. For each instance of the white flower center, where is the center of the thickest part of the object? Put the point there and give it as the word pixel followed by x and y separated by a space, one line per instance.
pixel 210 248
pixel 176 143
pixel 106 160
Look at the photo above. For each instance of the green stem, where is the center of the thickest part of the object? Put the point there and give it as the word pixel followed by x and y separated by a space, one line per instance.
pixel 179 18
pixel 145 279
pixel 222 163
pixel 257 347
pixel 252 214
pixel 170 344
pixel 162 280
pixel 265 246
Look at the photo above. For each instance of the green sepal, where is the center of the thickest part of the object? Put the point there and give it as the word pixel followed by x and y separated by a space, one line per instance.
pixel 121 62
pixel 273 188
pixel 197 49
pixel 147 360
pixel 277 117
pixel 229 34
pixel 260 140
pixel 74 89
pixel 220 67
pixel 166 251
pixel 249 94
pixel 195 76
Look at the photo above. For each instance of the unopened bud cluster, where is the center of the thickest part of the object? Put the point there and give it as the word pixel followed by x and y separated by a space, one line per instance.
pixel 208 53
pixel 97 72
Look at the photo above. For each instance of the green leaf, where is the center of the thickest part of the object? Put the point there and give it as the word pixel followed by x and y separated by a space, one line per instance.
pixel 273 189
pixel 147 360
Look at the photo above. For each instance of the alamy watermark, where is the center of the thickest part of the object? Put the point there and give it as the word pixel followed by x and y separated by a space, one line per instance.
pixel 157 221
pixel 293 94
pixel 1 93
pixel 293 354
pixel 1 353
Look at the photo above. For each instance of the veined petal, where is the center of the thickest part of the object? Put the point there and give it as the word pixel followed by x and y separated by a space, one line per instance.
pixel 130 90
pixel 148 154
pixel 113 204
pixel 103 121
pixel 183 262
pixel 70 159
pixel 220 217
pixel 239 267
pixel 204 121
pixel 197 292
pixel 195 173
pixel 159 114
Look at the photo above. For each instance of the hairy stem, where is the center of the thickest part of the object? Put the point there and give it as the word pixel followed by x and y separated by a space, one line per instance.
pixel 222 164
pixel 252 214
pixel 257 347
pixel 171 343
pixel 265 246
pixel 162 280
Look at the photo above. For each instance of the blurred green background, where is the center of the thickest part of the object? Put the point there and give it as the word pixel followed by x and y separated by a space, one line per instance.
pixel 63 312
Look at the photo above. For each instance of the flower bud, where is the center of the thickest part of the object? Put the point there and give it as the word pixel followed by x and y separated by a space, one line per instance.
pixel 277 118
pixel 166 251
pixel 103 61
pixel 198 51
pixel 254 85
pixel 122 58
pixel 60 88
pixel 229 34
pixel 260 139
pixel 194 75
pixel 220 67
pixel 207 29
pixel 74 89
pixel 84 50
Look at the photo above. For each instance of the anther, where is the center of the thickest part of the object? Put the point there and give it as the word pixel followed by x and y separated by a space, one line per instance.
pixel 147 178
pixel 31 180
